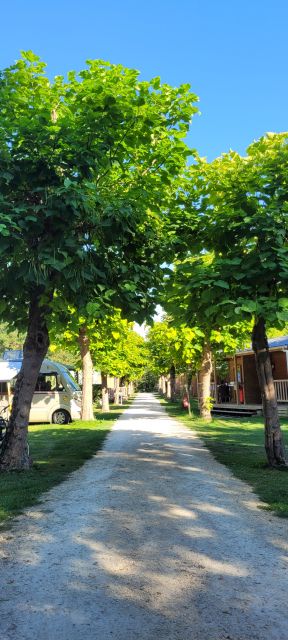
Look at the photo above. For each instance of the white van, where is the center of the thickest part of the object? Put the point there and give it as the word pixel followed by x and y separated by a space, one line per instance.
pixel 57 396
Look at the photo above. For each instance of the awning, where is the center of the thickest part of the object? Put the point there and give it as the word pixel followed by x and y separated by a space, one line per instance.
pixel 8 370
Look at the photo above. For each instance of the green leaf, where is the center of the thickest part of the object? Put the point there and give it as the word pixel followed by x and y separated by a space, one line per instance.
pixel 249 305
pixel 222 283
pixel 283 302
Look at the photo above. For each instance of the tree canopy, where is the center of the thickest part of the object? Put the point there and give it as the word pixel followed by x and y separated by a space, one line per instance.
pixel 88 169
pixel 87 166
pixel 233 257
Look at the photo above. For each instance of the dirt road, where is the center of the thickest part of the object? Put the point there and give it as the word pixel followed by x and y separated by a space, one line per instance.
pixel 151 539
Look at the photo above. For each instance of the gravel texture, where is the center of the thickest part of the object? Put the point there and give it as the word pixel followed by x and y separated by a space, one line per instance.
pixel 150 539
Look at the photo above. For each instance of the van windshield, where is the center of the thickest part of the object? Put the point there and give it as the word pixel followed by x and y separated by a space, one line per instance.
pixel 69 381
pixel 49 382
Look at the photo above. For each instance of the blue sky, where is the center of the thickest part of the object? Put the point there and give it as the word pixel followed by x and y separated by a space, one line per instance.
pixel 233 53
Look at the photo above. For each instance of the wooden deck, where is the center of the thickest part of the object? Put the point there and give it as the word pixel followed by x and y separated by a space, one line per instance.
pixel 236 410
pixel 226 408
pixel 232 405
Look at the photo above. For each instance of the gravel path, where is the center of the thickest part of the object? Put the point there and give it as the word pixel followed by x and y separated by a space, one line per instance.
pixel 151 539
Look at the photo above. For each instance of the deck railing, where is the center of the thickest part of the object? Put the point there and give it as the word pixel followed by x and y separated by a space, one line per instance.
pixel 281 388
pixel 213 391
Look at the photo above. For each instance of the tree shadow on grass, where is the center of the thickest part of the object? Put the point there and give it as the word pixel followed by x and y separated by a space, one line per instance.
pixel 56 452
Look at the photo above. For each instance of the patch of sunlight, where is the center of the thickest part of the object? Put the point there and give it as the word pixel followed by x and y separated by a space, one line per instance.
pixel 157 498
pixel 166 591
pixel 156 452
pixel 180 512
pixel 198 532
pixel 254 505
pixel 40 537
pixel 110 560
pixel 207 507
pixel 280 543
pixel 158 462
pixel 201 450
pixel 210 565
pixel 189 468
pixel 27 556
pixel 36 515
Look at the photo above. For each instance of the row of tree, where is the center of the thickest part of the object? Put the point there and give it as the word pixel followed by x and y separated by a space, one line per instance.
pixel 89 167
pixel 97 198
pixel 229 277
pixel 110 346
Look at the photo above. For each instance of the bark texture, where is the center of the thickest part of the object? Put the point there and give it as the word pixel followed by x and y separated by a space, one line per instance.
pixel 163 385
pixel 204 383
pixel 168 388
pixel 87 376
pixel 273 436
pixel 14 450
pixel 173 383
pixel 105 392
pixel 116 391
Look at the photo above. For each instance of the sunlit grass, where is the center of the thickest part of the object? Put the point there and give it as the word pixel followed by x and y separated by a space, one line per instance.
pixel 56 450
pixel 239 444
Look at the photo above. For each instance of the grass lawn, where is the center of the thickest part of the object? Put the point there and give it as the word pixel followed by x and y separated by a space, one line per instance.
pixel 56 451
pixel 239 444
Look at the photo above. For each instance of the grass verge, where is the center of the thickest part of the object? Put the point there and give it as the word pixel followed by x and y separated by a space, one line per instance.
pixel 56 450
pixel 239 444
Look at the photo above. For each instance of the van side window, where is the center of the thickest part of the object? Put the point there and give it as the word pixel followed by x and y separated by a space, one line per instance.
pixel 49 382
pixel 3 388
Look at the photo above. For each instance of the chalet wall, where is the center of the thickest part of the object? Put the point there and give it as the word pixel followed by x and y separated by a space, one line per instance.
pixel 231 371
pixel 194 387
pixel 278 359
pixel 180 382
pixel 251 385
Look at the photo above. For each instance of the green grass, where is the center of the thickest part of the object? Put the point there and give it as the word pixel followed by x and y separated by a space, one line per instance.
pixel 56 450
pixel 239 444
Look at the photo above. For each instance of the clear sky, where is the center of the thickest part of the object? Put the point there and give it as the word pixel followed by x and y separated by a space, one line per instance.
pixel 232 52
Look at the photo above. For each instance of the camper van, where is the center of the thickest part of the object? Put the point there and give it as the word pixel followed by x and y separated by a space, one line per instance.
pixel 57 397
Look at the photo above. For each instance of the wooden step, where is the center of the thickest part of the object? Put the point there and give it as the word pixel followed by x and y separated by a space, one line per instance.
pixel 235 412
pixel 283 411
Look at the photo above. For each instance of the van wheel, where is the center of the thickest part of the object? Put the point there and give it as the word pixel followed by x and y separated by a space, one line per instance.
pixel 61 417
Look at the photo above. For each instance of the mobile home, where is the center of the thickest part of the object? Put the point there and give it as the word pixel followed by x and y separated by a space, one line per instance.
pixel 57 396
pixel 242 387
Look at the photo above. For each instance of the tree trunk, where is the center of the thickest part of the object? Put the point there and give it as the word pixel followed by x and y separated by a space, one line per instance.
pixel 173 383
pixel 14 450
pixel 273 436
pixel 187 392
pixel 205 383
pixel 87 376
pixel 116 392
pixel 168 388
pixel 105 392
